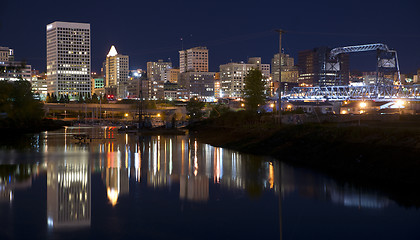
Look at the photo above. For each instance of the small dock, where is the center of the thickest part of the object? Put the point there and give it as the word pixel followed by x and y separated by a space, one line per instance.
pixel 85 137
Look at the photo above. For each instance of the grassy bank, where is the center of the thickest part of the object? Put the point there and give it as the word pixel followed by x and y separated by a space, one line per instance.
pixel 379 156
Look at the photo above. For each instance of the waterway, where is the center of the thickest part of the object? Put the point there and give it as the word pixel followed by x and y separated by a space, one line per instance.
pixel 121 186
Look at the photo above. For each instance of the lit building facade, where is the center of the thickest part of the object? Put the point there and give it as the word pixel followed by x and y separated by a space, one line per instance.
pixel 170 75
pixel 194 60
pixel 39 85
pixel 11 70
pixel 154 75
pixel 289 72
pixel 116 71
pixel 199 84
pixel 317 69
pixel 68 59
pixel 6 55
pixel 232 76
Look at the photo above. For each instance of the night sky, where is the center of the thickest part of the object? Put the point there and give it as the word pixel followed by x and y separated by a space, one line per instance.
pixel 232 30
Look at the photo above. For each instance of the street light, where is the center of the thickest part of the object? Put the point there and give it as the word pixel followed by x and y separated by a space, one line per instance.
pixel 400 104
pixel 362 106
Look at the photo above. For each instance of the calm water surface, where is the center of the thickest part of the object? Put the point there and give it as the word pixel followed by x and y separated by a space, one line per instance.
pixel 123 186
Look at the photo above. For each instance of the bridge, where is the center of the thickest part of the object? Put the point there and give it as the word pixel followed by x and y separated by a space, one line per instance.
pixel 368 92
pixel 384 89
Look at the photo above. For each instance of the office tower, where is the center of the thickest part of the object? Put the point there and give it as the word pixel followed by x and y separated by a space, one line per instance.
pixel 170 75
pixel 198 84
pixel 116 71
pixel 194 60
pixel 289 72
pixel 68 59
pixel 232 76
pixel 317 69
pixel 154 75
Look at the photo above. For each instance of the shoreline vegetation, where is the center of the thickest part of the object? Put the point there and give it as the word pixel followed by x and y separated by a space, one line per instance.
pixel 383 156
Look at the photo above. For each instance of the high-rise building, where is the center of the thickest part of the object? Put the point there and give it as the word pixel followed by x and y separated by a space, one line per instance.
pixel 154 75
pixel 232 76
pixel 170 75
pixel 68 59
pixel 138 85
pixel 198 84
pixel 289 72
pixel 316 68
pixel 194 60
pixel 116 71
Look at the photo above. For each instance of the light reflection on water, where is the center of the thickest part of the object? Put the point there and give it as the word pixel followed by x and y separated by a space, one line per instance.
pixel 201 174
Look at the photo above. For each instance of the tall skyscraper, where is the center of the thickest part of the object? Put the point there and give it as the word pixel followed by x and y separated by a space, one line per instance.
pixel 194 60
pixel 68 59
pixel 117 71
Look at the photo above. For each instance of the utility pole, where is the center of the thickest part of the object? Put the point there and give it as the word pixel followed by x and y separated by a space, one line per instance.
pixel 280 31
pixel 140 103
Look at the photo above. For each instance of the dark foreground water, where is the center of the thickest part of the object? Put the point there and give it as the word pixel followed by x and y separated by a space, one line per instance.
pixel 172 187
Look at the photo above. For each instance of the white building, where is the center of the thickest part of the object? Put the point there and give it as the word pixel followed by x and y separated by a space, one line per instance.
pixel 194 60
pixel 117 68
pixel 232 76
pixel 68 59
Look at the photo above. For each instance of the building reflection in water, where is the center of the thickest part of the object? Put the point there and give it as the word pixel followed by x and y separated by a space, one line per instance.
pixel 169 160
pixel 162 161
pixel 69 192
pixel 15 177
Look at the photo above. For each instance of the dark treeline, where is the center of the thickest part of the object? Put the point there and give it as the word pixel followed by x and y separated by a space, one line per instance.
pixel 18 108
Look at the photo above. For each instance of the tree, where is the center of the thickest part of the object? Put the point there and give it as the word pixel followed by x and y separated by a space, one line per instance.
pixel 218 110
pixel 17 102
pixel 194 107
pixel 254 90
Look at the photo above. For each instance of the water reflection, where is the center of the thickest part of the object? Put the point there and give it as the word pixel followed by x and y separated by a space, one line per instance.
pixel 68 192
pixel 124 161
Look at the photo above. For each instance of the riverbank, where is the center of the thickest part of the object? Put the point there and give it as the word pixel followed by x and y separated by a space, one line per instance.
pixel 35 127
pixel 382 157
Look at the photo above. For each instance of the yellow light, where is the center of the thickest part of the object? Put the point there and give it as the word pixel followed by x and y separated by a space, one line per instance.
pixel 158 114
pixel 400 103
pixel 243 105
pixel 362 104
pixel 343 112
pixel 289 106
pixel 272 105
pixel 126 115
pixel 112 196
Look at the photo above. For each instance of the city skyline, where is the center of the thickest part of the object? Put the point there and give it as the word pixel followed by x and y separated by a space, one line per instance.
pixel 230 35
